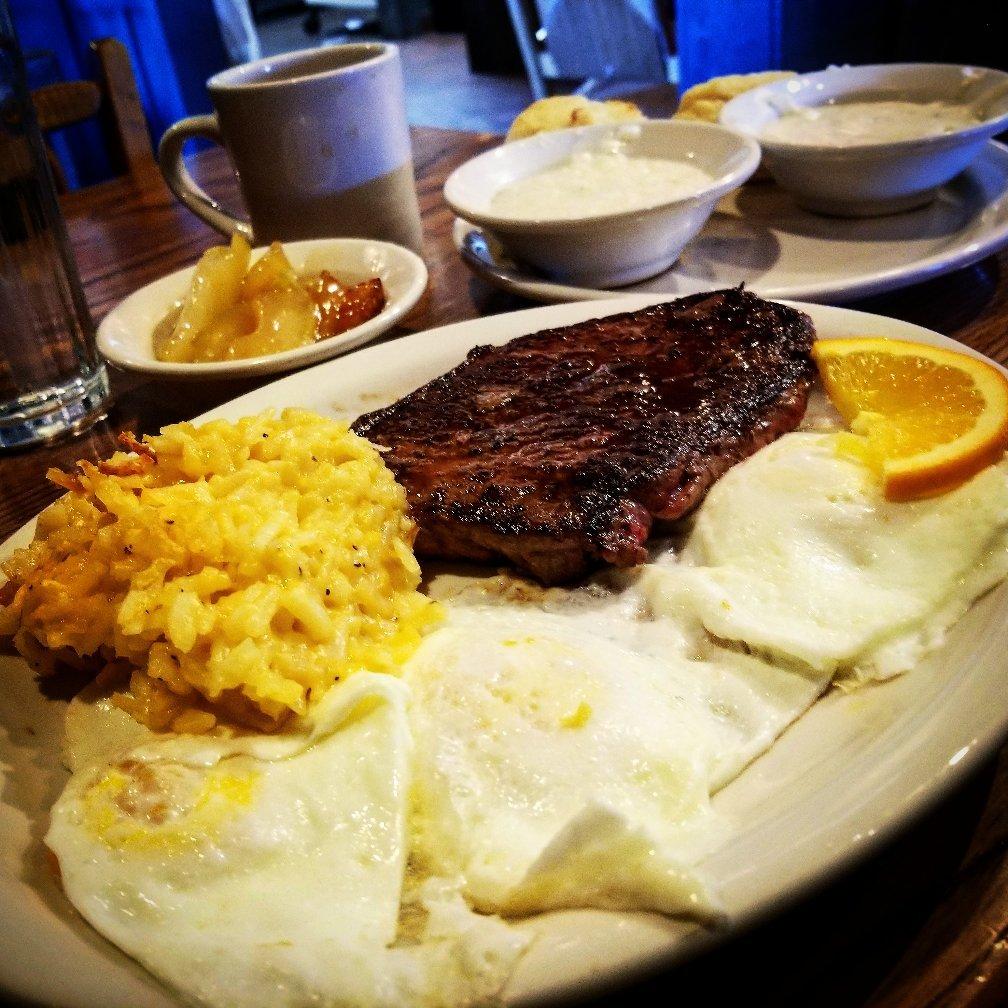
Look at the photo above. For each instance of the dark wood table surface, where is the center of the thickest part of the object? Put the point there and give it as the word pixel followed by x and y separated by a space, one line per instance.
pixel 923 923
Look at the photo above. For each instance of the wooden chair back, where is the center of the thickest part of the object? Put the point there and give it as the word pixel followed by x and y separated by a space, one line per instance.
pixel 66 103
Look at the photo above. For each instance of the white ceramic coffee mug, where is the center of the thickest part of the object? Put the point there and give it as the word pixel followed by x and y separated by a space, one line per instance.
pixel 320 142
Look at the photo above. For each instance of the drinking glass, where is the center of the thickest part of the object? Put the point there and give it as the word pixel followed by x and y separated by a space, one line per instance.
pixel 52 380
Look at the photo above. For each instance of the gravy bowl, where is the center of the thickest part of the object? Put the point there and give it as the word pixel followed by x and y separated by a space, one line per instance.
pixel 604 249
pixel 885 176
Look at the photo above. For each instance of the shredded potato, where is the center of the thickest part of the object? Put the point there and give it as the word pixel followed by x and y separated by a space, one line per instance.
pixel 230 571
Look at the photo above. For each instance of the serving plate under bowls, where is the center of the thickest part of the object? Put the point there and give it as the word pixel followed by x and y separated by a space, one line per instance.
pixel 125 335
pixel 759 236
pixel 847 775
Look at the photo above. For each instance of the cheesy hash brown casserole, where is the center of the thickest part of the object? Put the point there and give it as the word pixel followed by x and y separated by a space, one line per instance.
pixel 226 572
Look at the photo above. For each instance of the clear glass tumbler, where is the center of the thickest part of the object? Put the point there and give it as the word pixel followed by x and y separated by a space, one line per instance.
pixel 52 380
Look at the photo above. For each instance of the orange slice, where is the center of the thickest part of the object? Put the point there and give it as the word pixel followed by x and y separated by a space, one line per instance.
pixel 925 419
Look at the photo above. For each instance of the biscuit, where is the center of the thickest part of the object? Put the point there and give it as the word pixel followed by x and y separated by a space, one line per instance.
pixel 566 111
pixel 703 102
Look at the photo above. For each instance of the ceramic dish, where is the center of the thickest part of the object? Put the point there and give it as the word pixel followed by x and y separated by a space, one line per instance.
pixel 125 334
pixel 880 177
pixel 850 773
pixel 759 236
pixel 604 250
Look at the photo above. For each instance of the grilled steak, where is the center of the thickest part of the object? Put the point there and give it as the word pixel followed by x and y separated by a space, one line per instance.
pixel 557 451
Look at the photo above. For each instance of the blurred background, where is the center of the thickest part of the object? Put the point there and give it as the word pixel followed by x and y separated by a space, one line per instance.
pixel 474 64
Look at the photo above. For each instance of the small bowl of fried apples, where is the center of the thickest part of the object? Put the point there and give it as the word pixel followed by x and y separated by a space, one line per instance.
pixel 241 311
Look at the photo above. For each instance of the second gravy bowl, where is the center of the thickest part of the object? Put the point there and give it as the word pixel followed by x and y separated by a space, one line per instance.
pixel 604 249
pixel 868 179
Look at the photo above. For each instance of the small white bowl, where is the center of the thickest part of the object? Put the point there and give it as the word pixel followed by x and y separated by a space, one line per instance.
pixel 125 335
pixel 874 178
pixel 604 250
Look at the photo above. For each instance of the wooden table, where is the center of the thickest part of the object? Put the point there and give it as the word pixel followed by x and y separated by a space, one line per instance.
pixel 925 923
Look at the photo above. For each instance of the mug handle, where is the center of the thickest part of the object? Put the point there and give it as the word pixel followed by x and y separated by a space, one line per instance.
pixel 184 186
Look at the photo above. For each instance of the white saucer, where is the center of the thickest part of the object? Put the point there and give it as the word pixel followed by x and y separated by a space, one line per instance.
pixel 125 334
pixel 760 237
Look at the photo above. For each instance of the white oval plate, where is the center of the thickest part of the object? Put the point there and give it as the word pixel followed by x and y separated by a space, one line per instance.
pixel 760 237
pixel 125 334
pixel 847 775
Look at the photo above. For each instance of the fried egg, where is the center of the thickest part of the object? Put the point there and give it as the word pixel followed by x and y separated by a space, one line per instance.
pixel 796 554
pixel 541 750
pixel 566 755
pixel 269 870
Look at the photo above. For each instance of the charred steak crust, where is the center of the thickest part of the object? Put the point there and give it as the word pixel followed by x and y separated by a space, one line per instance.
pixel 558 450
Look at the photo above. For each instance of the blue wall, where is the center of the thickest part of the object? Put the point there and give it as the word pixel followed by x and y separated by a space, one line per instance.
pixel 720 37
pixel 715 37
pixel 194 39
